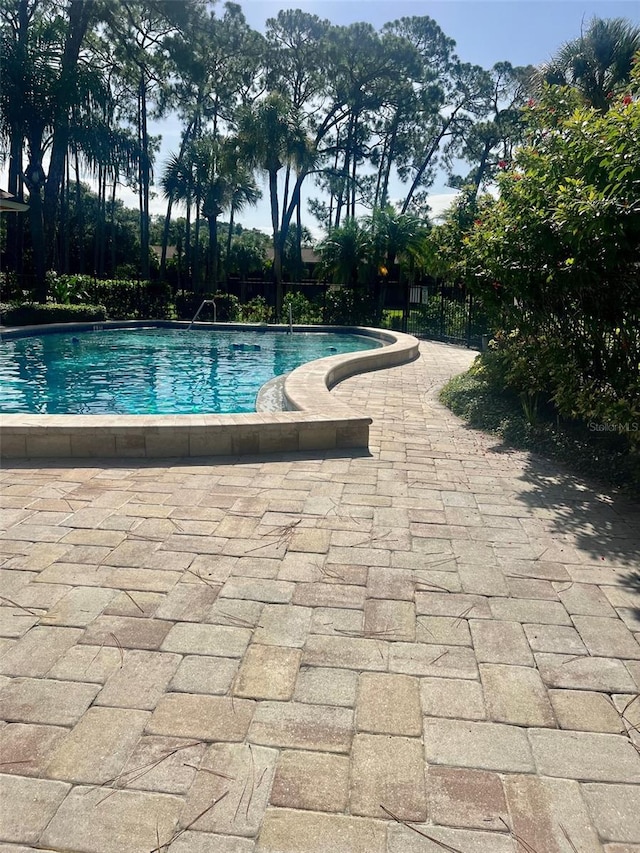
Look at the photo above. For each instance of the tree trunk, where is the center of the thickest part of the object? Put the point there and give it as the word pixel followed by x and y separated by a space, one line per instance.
pixel 34 178
pixel 432 150
pixel 383 158
pixel 167 219
pixel 144 180
pixel 36 222
pixel 196 249
pixel 390 153
pixel 345 174
pixel 482 168
pixel 80 215
pixel 64 213
pixel 97 228
pixel 299 239
pixel 112 226
pixel 102 245
pixel 187 244
pixel 213 254
pixel 354 166
pixel 14 224
pixel 232 213
pixel 335 170
pixel 277 251
pixel 165 239
pixel 79 15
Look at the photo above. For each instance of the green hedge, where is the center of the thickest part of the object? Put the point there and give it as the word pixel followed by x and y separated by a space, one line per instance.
pixel 227 307
pixel 123 300
pixel 350 307
pixel 132 300
pixel 33 314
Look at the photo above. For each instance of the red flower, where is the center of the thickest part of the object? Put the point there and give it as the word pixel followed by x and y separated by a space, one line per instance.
pixel 477 221
pixel 531 102
pixel 627 99
pixel 502 164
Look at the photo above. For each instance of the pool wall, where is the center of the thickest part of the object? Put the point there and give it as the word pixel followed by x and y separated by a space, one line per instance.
pixel 315 420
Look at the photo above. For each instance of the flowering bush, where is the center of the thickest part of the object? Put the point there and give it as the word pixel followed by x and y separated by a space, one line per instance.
pixel 556 258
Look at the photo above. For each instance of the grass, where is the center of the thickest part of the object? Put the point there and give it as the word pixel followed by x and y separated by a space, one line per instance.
pixel 606 457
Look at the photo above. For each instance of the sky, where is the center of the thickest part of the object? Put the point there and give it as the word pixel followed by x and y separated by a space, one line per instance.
pixel 524 32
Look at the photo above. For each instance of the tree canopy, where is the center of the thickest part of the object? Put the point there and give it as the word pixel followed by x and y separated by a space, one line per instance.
pixel 349 109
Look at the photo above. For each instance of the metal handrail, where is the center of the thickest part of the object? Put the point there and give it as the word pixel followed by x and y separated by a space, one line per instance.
pixel 197 314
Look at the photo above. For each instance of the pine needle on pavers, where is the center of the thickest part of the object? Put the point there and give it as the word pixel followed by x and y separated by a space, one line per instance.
pixel 206 581
pixel 518 838
pixel 90 664
pixel 250 778
pixel 161 847
pixel 330 573
pixel 569 841
pixel 283 536
pixel 7 602
pixel 461 616
pixel 119 646
pixel 138 772
pixel 129 596
pixel 236 621
pixel 425 586
pixel 430 838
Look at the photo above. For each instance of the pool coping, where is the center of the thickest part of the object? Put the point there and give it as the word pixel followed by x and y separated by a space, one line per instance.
pixel 315 419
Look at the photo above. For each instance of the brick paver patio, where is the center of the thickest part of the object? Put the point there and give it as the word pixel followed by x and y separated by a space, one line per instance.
pixel 283 655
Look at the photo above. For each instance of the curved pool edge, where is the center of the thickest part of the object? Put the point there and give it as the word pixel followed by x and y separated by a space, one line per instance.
pixel 316 419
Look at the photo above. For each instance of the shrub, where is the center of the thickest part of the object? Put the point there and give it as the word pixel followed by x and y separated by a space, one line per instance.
pixel 132 300
pixel 35 314
pixel 227 307
pixel 66 289
pixel 555 261
pixel 302 309
pixel 479 397
pixel 350 307
pixel 256 311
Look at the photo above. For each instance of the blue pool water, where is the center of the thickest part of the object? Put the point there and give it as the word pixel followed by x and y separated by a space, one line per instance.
pixel 154 371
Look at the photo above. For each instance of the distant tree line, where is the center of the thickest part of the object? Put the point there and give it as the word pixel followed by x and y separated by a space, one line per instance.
pixel 341 108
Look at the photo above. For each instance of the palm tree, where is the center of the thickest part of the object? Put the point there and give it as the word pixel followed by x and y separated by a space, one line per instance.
pixel 395 237
pixel 244 192
pixel 597 63
pixel 268 138
pixel 178 187
pixel 345 253
pixel 213 187
pixel 209 176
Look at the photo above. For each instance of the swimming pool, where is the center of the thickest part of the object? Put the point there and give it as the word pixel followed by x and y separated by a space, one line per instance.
pixel 310 418
pixel 154 371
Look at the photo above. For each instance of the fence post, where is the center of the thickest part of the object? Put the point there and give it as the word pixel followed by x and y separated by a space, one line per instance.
pixel 406 308
pixel 469 315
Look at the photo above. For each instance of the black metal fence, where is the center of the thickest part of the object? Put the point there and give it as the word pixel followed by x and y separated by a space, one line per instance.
pixel 437 311
pixel 428 310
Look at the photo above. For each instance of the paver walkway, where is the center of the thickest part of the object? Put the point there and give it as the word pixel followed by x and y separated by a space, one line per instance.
pixel 283 655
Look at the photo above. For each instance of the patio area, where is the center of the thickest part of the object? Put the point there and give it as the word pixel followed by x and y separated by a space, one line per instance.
pixel 428 646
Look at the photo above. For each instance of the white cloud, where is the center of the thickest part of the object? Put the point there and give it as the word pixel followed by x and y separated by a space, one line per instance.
pixel 439 203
